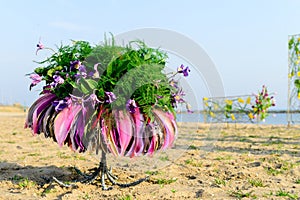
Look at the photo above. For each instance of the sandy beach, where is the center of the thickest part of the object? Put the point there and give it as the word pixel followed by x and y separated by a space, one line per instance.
pixel 208 161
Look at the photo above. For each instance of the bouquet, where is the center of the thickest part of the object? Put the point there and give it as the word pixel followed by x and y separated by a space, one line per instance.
pixel 107 97
pixel 263 101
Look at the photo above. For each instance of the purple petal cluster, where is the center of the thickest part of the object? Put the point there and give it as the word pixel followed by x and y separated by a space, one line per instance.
pixel 59 105
pixel 110 97
pixel 184 70
pixel 131 106
pixel 57 80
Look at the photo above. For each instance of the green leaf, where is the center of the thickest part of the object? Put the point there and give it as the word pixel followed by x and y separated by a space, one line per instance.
pixel 291 42
pixel 147 56
pixel 91 83
pixel 297 83
pixel 84 86
pixel 84 89
pixel 74 84
pixel 109 69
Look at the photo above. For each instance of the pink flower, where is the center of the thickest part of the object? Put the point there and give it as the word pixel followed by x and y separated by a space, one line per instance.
pixel 35 80
pixel 39 46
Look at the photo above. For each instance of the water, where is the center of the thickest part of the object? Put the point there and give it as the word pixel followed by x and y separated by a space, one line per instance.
pixel 273 118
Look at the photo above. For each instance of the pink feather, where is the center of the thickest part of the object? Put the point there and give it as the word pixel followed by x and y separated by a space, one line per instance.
pixel 168 126
pixel 138 121
pixel 124 128
pixel 63 122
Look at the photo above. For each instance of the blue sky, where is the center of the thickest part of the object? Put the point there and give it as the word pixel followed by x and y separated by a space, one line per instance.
pixel 247 40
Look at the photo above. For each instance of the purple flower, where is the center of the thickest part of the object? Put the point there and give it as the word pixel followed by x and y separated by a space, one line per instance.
pixel 180 69
pixel 95 74
pixel 82 72
pixel 173 83
pixel 178 96
pixel 35 80
pixel 94 99
pixel 82 69
pixel 39 46
pixel 57 80
pixel 184 70
pixel 110 97
pixel 75 64
pixel 131 105
pixel 61 104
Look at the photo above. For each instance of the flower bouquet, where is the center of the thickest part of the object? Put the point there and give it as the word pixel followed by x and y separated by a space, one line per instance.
pixel 107 97
pixel 263 101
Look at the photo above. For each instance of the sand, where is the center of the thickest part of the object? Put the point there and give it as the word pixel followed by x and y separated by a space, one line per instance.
pixel 207 162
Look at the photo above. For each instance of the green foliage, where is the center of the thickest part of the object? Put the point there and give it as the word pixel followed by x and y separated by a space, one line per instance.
pixel 165 181
pixel 240 194
pixel 152 172
pixel 59 64
pixel 280 168
pixel 239 108
pixel 220 181
pixel 132 72
pixel 262 103
pixel 193 163
pixel 127 197
pixel 256 182
pixel 282 193
pixel 173 190
pixel 193 147
pixel 23 182
pixel 294 61
pixel 164 158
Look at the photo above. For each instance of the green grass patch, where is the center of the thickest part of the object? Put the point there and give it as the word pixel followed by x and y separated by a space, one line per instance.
pixel 33 154
pixel 220 181
pixel 240 194
pixel 127 197
pixel 282 193
pixel 162 181
pixel 78 157
pixel 256 182
pixel 227 157
pixel 253 136
pixel 23 182
pixel 48 191
pixel 297 181
pixel 63 155
pixel 280 167
pixel 152 172
pixel 193 163
pixel 193 147
pixel 243 139
pixel 164 158
pixel 272 171
pixel 86 197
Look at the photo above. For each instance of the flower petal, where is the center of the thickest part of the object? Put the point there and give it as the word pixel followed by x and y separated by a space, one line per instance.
pixel 125 130
pixel 168 126
pixel 63 121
